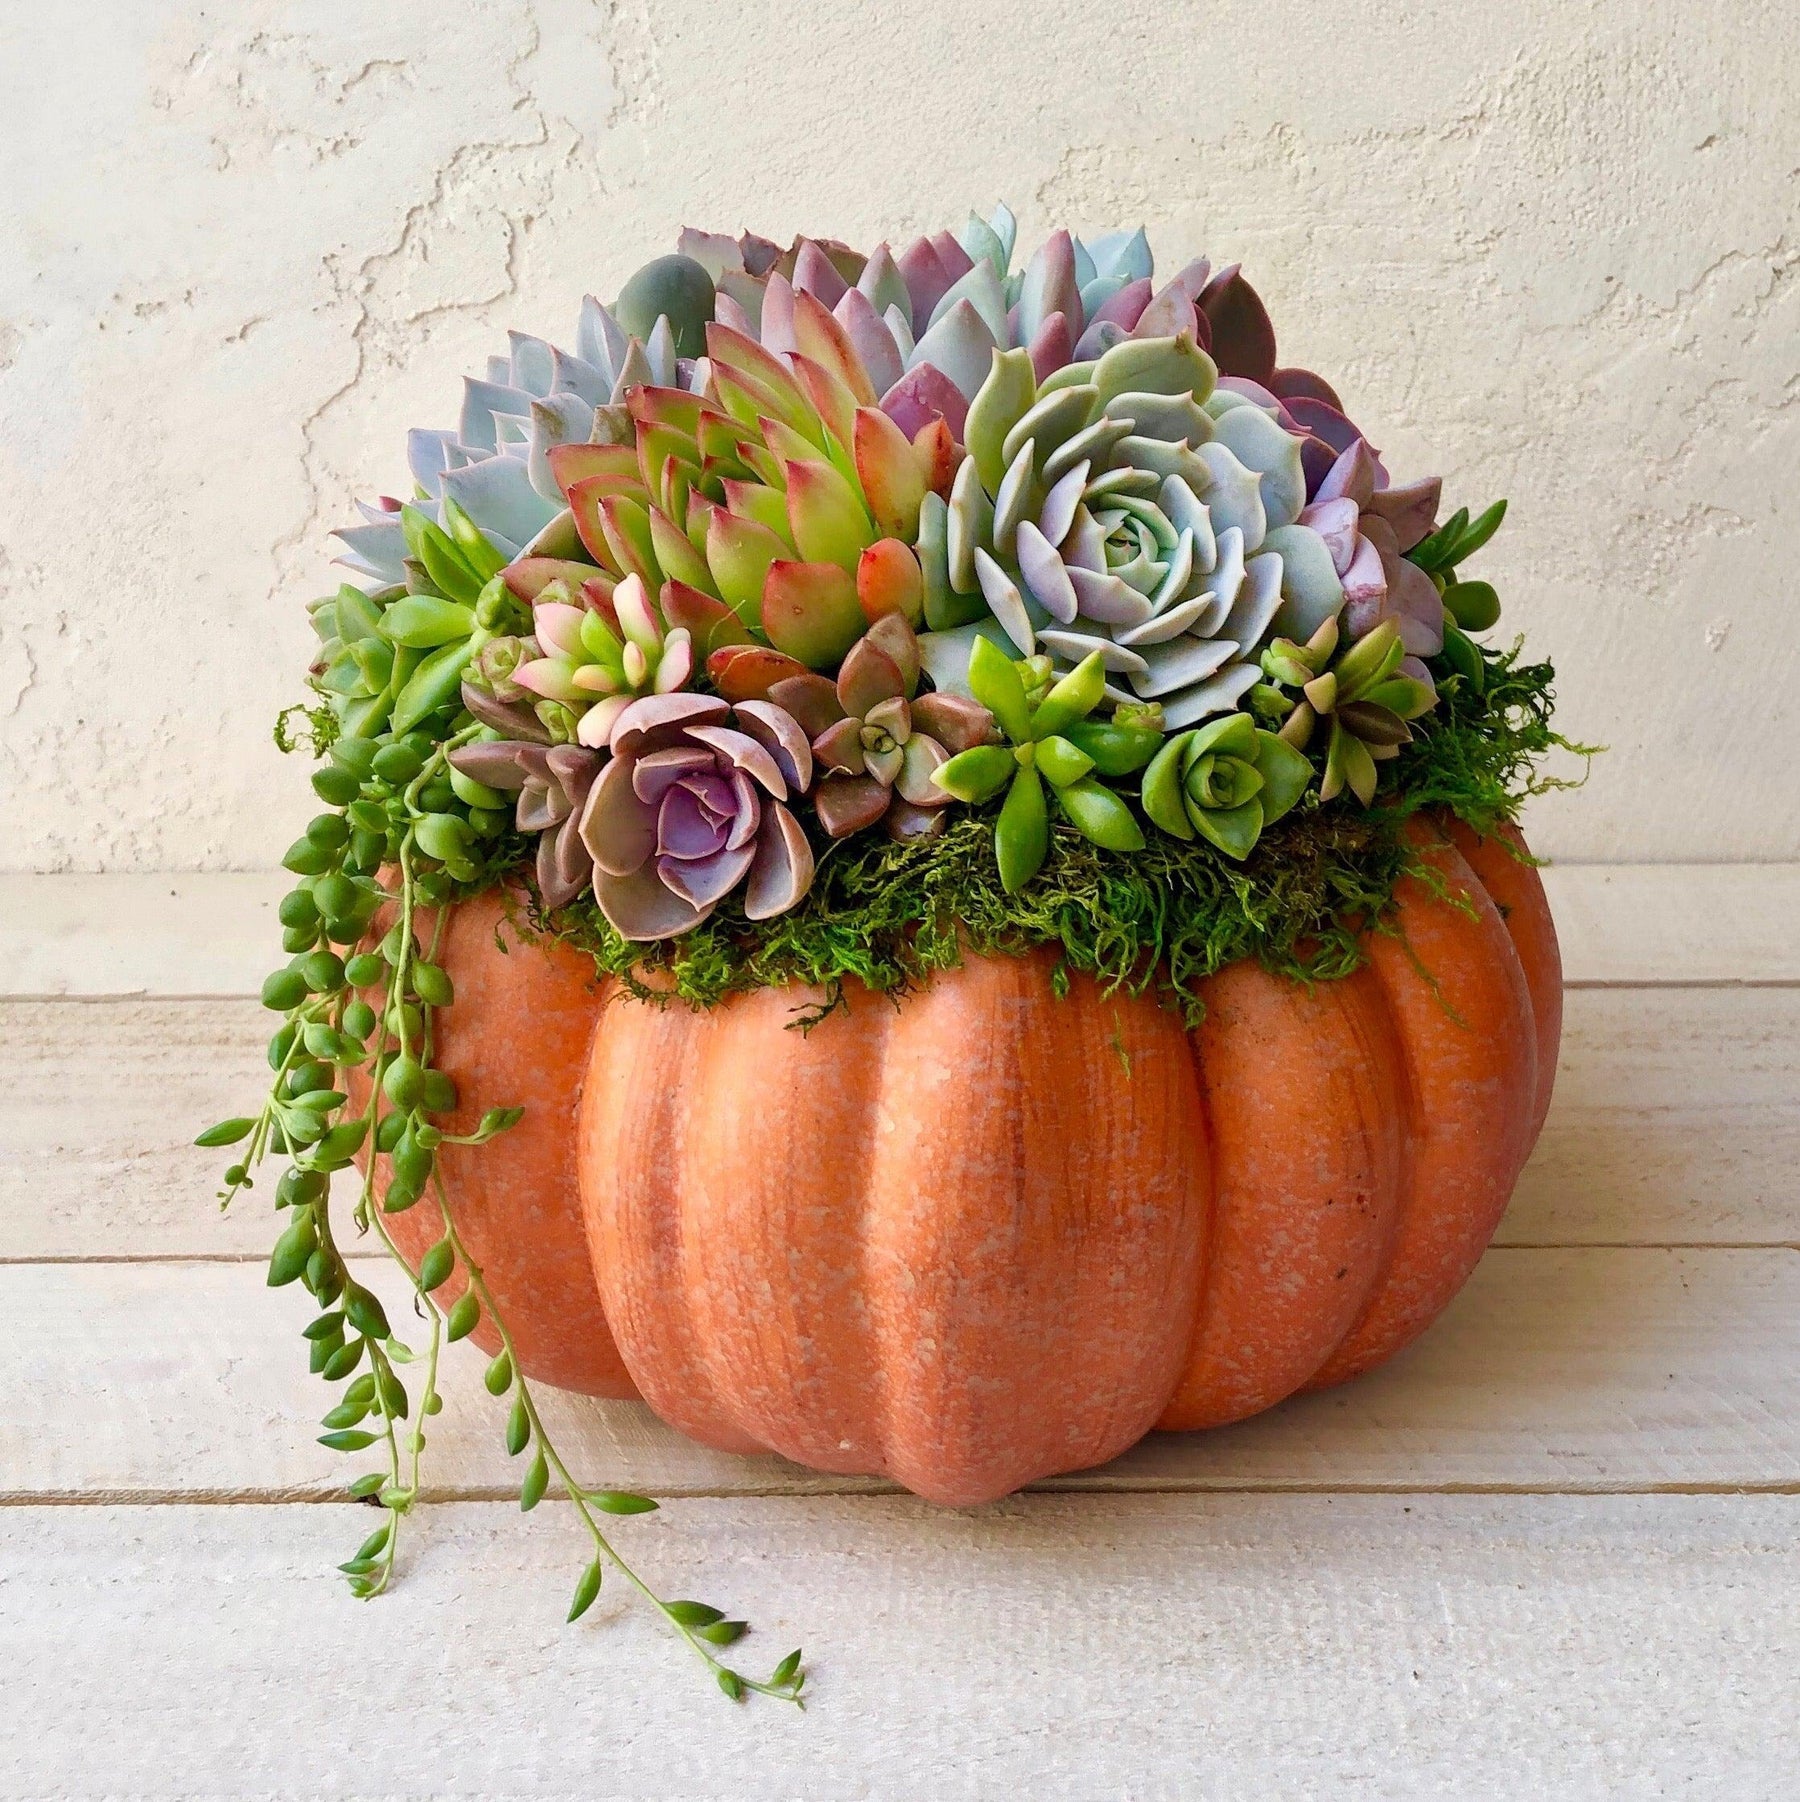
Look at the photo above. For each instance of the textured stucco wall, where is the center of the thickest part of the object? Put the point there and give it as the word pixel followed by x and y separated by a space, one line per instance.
pixel 1551 248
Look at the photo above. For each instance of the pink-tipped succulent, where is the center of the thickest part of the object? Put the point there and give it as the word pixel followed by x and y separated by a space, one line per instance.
pixel 692 808
pixel 1368 530
pixel 599 657
pixel 876 741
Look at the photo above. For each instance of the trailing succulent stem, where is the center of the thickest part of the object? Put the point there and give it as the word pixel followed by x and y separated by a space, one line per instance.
pixel 331 1029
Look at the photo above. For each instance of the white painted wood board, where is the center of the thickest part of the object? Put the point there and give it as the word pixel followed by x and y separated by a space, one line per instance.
pixel 1576 1369
pixel 1409 1648
pixel 87 935
pixel 1677 1120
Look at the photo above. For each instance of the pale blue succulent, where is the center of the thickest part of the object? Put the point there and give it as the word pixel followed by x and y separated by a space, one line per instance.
pixel 1127 506
pixel 494 464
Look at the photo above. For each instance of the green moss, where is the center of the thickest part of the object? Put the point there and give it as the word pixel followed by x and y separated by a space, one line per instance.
pixel 1164 918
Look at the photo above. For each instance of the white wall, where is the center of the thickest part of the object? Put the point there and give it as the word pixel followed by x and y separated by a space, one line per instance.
pixel 1551 248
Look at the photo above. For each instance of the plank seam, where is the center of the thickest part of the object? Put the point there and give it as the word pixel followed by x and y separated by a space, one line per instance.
pixel 447 1495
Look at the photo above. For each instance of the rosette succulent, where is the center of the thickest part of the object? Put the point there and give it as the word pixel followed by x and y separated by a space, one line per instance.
pixel 552 784
pixel 876 741
pixel 1224 781
pixel 692 806
pixel 1368 695
pixel 1130 509
pixel 1039 752
pixel 599 657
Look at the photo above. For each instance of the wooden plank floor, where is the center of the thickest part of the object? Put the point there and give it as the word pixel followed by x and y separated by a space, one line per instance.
pixel 1549 1551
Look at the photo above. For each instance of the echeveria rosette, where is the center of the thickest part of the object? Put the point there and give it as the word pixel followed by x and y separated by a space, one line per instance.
pixel 1368 696
pixel 599 657
pixel 692 808
pixel 1130 509
pixel 1038 753
pixel 487 481
pixel 772 516
pixel 876 741
pixel 1225 782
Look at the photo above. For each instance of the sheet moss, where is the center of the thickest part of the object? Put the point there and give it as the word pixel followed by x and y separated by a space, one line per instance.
pixel 888 916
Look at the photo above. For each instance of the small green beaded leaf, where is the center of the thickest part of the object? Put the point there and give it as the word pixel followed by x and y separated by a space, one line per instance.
pixel 365 1312
pixel 499 1374
pixel 518 1427
pixel 352 1440
pixel 227 1132
pixel 693 1614
pixel 283 989
pixel 731 1683
pixel 722 1633
pixel 537 1480
pixel 463 1317
pixel 436 1265
pixel 287 1263
pixel 367 1484
pixel 585 1591
pixel 783 1673
pixel 620 1501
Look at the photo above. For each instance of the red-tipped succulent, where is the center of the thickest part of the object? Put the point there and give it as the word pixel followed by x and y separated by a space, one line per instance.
pixel 876 741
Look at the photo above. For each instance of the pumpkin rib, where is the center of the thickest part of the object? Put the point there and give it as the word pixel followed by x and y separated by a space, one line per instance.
pixel 986 1294
pixel 772 1258
pixel 1036 1274
pixel 1518 892
pixel 521 1030
pixel 1458 997
pixel 640 1076
pixel 1302 1088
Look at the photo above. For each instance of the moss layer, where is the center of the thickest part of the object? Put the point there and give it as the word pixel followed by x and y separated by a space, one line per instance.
pixel 888 916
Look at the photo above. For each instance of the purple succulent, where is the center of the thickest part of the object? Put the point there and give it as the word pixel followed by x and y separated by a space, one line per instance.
pixel 691 807
pixel 1368 529
pixel 552 783
pixel 875 744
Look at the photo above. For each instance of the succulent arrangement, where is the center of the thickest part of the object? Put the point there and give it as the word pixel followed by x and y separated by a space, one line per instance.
pixel 1038 593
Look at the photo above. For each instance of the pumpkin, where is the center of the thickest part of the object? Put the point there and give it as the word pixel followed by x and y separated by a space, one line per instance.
pixel 989 1235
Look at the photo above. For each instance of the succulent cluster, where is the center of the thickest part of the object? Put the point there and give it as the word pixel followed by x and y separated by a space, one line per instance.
pixel 802 580
pixel 802 543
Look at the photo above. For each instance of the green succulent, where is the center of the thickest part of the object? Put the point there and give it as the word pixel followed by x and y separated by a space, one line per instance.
pixel 1226 781
pixel 392 658
pixel 1366 694
pixel 1038 751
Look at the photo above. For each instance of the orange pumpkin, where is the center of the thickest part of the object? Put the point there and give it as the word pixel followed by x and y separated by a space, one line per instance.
pixel 988 1235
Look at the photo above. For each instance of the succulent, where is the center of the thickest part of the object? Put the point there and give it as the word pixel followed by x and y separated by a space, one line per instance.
pixel 1224 781
pixel 552 784
pixel 600 657
pixel 1038 751
pixel 927 320
pixel 1128 509
pixel 691 807
pixel 488 483
pixel 1368 694
pixel 876 741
